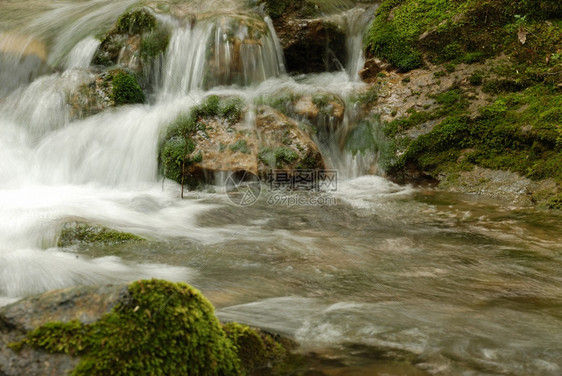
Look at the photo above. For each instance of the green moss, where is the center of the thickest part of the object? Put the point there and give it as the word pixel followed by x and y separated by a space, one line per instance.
pixel 136 21
pixel 465 31
pixel 519 132
pixel 126 88
pixel 476 79
pixel 75 233
pixel 162 328
pixel 154 43
pixel 240 146
pixel 279 157
pixel 284 156
pixel 258 351
pixel 176 152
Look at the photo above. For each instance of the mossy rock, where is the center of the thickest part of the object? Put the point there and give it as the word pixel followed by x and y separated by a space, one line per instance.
pixel 159 328
pixel 260 353
pixel 407 32
pixel 136 39
pixel 84 233
pixel 178 146
pixel 125 88
pixel 136 21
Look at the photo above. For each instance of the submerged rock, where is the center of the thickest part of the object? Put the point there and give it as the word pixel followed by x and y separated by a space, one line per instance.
pixel 148 327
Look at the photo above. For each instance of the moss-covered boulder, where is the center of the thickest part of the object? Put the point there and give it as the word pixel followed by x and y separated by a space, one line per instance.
pixel 134 41
pixel 213 137
pixel 112 88
pixel 148 327
pixel 486 101
pixel 74 233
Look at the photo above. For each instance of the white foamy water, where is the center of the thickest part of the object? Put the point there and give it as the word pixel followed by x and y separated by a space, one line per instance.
pixel 82 54
pixel 381 273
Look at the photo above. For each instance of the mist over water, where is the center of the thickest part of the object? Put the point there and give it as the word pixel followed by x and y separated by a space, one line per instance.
pixel 439 283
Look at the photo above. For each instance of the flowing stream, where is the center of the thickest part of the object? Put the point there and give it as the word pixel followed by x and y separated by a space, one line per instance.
pixel 371 278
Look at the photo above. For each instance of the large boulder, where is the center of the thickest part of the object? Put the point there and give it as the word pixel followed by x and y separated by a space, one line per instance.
pixel 112 88
pixel 214 137
pixel 148 327
pixel 133 42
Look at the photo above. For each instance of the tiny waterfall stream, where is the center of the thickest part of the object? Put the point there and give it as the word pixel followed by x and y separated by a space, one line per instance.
pixel 374 278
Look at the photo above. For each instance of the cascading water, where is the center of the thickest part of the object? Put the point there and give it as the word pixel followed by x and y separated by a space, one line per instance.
pixel 388 279
pixel 221 50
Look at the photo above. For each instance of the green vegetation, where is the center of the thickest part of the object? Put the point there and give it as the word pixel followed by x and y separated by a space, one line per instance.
pixel 361 139
pixel 279 157
pixel 519 132
pixel 126 88
pixel 240 146
pixel 136 21
pixel 176 153
pixel 161 328
pixel 256 349
pixel 75 233
pixel 154 43
pixel 407 31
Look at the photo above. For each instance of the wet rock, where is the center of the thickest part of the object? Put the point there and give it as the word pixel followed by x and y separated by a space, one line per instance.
pixel 241 51
pixel 372 67
pixel 213 139
pixel 22 58
pixel 312 45
pixel 86 304
pixel 73 233
pixel 109 89
pixel 126 329
pixel 134 41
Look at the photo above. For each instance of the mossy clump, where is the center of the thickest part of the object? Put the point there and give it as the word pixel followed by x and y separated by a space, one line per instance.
pixel 84 233
pixel 259 352
pixel 240 146
pixel 154 43
pixel 407 32
pixel 154 38
pixel 277 157
pixel 125 88
pixel 160 328
pixel 177 150
pixel 136 21
pixel 518 132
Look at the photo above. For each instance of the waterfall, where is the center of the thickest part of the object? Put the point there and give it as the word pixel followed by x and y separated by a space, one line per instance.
pixel 225 50
pixel 56 167
pixel 81 55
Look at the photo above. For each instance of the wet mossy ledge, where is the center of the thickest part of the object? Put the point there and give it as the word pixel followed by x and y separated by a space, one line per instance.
pixel 473 87
pixel 152 327
pixel 74 233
